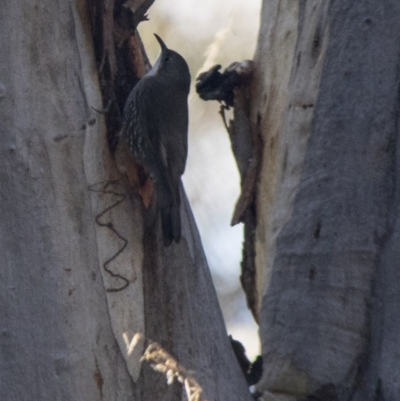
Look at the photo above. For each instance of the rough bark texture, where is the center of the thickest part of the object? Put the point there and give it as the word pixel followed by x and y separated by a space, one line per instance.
pixel 61 331
pixel 327 96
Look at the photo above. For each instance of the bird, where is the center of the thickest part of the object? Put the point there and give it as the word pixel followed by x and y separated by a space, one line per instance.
pixel 155 131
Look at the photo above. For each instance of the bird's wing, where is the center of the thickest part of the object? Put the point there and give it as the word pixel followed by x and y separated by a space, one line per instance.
pixel 141 131
pixel 172 109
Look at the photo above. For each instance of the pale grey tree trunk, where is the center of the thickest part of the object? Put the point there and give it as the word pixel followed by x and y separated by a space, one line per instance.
pixel 63 336
pixel 326 102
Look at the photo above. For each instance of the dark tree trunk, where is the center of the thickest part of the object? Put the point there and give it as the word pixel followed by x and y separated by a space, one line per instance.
pixel 67 316
pixel 326 103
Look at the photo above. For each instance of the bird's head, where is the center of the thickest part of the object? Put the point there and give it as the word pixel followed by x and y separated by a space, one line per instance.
pixel 171 66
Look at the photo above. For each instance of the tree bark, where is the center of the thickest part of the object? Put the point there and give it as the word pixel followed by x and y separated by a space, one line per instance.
pixel 326 103
pixel 70 303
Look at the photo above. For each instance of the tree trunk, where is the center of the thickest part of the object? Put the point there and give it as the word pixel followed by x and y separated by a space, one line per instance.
pixel 326 102
pixel 70 302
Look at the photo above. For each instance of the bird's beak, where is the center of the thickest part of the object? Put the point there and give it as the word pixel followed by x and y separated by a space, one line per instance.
pixel 160 41
pixel 157 64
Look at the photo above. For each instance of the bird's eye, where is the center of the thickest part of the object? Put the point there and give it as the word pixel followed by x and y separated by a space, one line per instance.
pixel 167 58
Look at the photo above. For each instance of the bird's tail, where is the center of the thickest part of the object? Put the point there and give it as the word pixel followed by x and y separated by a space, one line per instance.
pixel 169 203
pixel 171 223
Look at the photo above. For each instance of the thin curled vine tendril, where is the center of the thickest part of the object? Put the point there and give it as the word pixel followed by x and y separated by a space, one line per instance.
pixel 120 198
